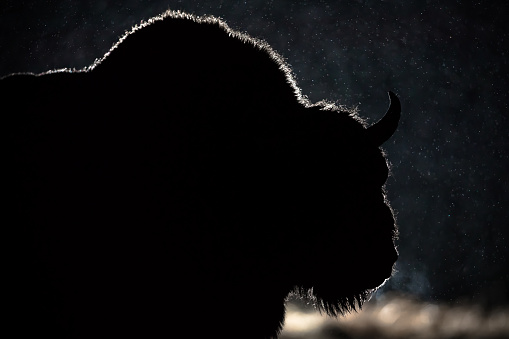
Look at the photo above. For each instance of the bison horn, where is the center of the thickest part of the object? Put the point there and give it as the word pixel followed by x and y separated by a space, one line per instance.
pixel 381 131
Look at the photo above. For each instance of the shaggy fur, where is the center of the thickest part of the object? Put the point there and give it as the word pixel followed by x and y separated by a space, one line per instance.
pixel 182 186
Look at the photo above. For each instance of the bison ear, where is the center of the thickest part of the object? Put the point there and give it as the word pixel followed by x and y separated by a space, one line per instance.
pixel 381 131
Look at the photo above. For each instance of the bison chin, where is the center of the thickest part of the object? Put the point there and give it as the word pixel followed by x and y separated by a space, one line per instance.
pixel 334 304
pixel 338 295
pixel 344 287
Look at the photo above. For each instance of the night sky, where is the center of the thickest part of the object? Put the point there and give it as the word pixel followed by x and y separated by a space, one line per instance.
pixel 446 60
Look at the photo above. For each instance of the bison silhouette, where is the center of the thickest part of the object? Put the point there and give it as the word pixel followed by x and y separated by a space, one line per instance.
pixel 183 185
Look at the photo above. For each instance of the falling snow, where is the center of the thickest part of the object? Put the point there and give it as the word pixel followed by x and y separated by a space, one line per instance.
pixel 448 64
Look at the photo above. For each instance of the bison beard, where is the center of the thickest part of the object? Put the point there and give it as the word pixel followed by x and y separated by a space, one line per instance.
pixel 182 185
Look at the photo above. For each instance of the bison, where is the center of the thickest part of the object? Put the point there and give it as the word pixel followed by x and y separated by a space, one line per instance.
pixel 183 185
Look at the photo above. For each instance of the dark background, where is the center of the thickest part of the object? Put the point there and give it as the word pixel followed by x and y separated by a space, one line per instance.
pixel 447 61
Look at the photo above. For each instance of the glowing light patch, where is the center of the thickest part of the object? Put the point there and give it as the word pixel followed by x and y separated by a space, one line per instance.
pixel 400 317
pixel 303 322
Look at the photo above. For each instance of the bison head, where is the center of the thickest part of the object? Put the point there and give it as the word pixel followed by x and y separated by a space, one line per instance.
pixel 345 225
